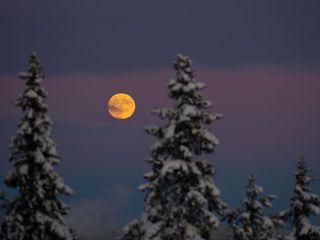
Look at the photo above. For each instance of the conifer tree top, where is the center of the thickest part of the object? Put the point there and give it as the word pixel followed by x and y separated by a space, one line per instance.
pixel 249 222
pixel 34 74
pixel 184 87
pixel 304 204
pixel 186 120
pixel 302 172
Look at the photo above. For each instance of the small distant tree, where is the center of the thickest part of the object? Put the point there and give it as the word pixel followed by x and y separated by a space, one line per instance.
pixel 250 221
pixel 304 204
pixel 182 202
pixel 36 213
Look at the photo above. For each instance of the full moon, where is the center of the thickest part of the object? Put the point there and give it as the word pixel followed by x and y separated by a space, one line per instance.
pixel 121 106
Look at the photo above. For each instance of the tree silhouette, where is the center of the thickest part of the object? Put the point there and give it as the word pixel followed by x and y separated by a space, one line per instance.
pixel 250 222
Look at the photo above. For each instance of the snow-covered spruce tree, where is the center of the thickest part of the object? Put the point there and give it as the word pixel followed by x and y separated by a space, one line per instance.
pixel 182 201
pixel 250 221
pixel 303 205
pixel 35 213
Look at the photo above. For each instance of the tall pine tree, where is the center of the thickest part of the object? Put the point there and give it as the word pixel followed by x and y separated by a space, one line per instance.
pixel 304 204
pixel 36 213
pixel 182 202
pixel 250 221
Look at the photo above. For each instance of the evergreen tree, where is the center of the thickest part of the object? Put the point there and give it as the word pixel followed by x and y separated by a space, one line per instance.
pixel 304 204
pixel 182 202
pixel 249 222
pixel 36 213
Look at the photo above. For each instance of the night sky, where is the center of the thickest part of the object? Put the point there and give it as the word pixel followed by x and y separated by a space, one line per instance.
pixel 259 59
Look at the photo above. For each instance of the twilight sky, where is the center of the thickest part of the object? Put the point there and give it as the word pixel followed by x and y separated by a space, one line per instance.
pixel 259 59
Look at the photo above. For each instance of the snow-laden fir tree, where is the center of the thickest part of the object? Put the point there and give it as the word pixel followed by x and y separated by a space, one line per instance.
pixel 304 204
pixel 35 213
pixel 182 202
pixel 250 221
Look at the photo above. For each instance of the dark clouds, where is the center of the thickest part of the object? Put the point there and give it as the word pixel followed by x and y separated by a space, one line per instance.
pixel 108 36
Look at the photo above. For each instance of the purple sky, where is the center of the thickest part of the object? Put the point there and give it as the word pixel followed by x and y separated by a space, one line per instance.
pixel 260 62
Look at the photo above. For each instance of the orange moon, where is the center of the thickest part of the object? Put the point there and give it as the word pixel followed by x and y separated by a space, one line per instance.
pixel 121 106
